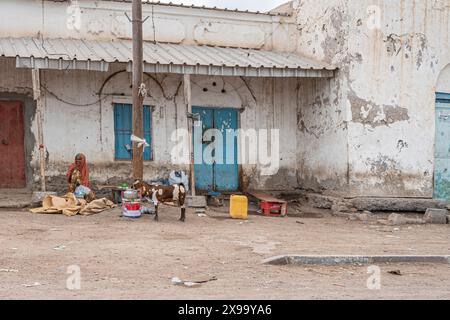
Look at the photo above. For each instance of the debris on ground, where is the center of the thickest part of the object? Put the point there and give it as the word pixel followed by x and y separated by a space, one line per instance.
pixel 147 210
pixel 215 199
pixel 9 270
pixel 200 210
pixel 36 284
pixel 192 283
pixel 396 272
pixel 59 248
pixel 338 285
pixel 343 207
pixel 299 222
pixel 436 216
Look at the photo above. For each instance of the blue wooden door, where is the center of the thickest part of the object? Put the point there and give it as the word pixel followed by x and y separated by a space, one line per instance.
pixel 221 175
pixel 442 148
pixel 123 128
pixel 226 173
pixel 204 172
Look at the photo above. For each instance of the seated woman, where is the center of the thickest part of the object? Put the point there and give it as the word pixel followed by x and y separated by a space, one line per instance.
pixel 78 175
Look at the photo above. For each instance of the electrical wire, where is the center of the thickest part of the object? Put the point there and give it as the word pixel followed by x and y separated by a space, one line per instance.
pixel 71 103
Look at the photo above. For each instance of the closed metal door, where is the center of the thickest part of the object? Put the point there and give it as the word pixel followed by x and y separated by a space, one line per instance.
pixel 223 174
pixel 442 148
pixel 12 150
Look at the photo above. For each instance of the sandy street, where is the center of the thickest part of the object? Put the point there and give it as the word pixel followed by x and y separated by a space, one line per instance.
pixel 136 259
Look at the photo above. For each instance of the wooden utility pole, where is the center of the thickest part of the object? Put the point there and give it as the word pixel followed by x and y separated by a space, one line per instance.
pixel 190 123
pixel 37 94
pixel 138 99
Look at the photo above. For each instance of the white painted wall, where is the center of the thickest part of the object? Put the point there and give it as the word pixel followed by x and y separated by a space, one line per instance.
pixel 443 84
pixel 369 131
pixel 106 20
pixel 70 129
pixel 387 79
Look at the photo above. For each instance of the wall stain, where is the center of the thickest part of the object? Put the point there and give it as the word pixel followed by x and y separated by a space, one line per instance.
pixel 369 113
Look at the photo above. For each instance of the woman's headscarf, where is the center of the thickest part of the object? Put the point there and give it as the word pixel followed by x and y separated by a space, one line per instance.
pixel 82 167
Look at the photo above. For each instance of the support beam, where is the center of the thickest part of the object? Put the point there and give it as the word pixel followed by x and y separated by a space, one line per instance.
pixel 37 94
pixel 138 98
pixel 190 123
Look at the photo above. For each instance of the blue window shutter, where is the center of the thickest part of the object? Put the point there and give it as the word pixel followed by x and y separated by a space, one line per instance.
pixel 123 128
pixel 148 132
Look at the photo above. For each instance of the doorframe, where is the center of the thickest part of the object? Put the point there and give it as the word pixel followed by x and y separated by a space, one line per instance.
pixel 12 98
pixel 440 97
pixel 239 111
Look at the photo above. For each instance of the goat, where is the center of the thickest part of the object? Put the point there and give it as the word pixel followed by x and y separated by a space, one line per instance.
pixel 162 194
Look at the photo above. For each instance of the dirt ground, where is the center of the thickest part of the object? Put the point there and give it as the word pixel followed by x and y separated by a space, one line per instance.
pixel 121 258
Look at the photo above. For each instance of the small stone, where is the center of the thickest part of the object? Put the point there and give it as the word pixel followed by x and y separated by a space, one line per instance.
pixel 436 216
pixel 364 217
pixel 396 219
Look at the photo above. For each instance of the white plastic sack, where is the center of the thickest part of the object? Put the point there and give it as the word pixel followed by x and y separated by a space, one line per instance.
pixel 141 142
pixel 177 177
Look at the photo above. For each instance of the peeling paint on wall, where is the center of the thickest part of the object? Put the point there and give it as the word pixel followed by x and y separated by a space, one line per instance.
pixel 368 113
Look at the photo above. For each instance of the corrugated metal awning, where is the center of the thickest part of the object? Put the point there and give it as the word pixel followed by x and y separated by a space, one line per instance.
pixel 70 54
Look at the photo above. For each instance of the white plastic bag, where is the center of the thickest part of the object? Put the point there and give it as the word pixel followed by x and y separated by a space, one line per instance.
pixel 177 177
pixel 141 142
pixel 82 191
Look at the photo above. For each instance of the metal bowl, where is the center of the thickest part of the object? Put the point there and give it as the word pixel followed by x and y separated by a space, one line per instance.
pixel 130 194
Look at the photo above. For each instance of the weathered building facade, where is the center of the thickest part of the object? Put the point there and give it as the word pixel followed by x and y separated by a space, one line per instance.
pixel 373 125
pixel 364 129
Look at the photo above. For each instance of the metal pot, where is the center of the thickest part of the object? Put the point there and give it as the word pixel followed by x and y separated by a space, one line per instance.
pixel 130 194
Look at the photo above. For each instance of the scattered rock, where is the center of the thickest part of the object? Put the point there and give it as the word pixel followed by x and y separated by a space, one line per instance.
pixel 321 201
pixel 396 219
pixel 436 216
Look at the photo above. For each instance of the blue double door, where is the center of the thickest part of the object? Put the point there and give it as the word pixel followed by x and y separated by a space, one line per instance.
pixel 216 159
pixel 442 148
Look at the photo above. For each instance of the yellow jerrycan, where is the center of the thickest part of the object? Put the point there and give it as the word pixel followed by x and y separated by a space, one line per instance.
pixel 239 207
